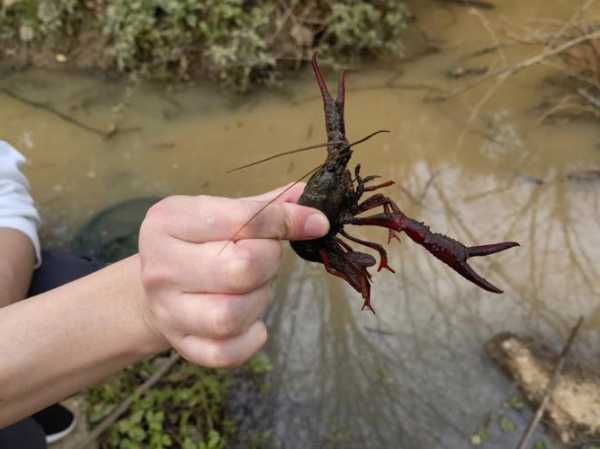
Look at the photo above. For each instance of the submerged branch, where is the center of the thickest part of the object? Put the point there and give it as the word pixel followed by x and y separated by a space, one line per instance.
pixel 591 99
pixel 106 134
pixel 510 70
pixel 470 3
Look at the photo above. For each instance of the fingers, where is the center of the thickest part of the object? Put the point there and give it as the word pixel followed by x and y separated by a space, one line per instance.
pixel 223 353
pixel 217 316
pixel 213 267
pixel 201 219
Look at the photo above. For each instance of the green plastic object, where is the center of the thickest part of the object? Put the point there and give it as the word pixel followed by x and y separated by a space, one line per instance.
pixel 112 234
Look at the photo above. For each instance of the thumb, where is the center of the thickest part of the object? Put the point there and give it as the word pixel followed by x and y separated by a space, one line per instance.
pixel 312 224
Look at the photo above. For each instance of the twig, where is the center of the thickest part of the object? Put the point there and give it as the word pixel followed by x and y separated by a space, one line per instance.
pixel 505 72
pixel 426 187
pixel 471 3
pixel 486 24
pixel 551 385
pixel 289 10
pixel 106 134
pixel 122 408
pixel 574 19
pixel 593 100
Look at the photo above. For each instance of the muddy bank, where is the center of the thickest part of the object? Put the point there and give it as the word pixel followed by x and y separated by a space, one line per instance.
pixel 573 411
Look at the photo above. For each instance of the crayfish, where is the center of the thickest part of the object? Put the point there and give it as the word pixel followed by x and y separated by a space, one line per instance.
pixel 333 190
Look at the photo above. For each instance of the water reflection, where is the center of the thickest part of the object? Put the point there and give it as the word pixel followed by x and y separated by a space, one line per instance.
pixel 417 375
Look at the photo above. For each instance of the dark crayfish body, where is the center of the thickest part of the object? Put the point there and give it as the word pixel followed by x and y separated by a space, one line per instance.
pixel 332 190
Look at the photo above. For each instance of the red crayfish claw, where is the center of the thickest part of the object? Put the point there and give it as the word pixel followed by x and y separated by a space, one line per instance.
pixel 452 252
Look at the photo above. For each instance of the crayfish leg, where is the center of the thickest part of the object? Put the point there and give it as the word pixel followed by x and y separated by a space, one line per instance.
pixel 391 233
pixel 379 186
pixel 383 261
pixel 357 277
pixel 376 201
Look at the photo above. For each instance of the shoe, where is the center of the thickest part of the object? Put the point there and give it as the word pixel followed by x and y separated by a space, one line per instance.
pixel 56 421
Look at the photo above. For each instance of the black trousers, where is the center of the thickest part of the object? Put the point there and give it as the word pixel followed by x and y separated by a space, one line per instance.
pixel 57 268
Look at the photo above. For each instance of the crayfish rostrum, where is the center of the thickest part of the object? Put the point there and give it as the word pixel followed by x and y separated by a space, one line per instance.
pixel 333 190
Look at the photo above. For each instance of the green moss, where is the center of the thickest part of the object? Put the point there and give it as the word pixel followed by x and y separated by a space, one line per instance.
pixel 238 42
pixel 184 410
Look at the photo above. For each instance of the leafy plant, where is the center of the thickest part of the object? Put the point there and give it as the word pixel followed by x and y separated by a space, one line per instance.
pixel 355 27
pixel 238 42
pixel 31 20
pixel 184 410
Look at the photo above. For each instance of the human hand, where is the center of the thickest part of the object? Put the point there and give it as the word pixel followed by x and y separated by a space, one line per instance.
pixel 206 298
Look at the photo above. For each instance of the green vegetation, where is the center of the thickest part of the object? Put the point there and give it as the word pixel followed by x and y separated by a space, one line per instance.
pixel 186 409
pixel 238 42
pixel 479 438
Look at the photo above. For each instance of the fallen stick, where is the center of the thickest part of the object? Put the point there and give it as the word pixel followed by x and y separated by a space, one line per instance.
pixel 507 71
pixel 124 406
pixel 551 385
pixel 106 134
pixel 471 3
pixel 594 101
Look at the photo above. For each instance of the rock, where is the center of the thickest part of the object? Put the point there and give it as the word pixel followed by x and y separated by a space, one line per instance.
pixel 573 411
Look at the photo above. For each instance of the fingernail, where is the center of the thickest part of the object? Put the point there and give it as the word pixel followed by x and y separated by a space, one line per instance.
pixel 316 225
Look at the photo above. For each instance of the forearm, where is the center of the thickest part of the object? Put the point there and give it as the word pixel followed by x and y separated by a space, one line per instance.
pixel 16 265
pixel 57 343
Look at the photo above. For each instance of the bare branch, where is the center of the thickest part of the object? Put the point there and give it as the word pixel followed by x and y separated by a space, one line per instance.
pixel 124 406
pixel 507 71
pixel 551 385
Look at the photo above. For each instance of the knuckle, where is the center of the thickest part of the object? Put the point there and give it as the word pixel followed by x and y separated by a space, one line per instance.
pixel 224 322
pixel 160 213
pixel 275 224
pixel 286 224
pixel 241 272
pixel 162 314
pixel 155 276
pixel 216 356
pixel 263 335
pixel 214 212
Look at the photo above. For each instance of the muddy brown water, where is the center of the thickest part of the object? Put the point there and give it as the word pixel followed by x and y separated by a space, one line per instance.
pixel 415 374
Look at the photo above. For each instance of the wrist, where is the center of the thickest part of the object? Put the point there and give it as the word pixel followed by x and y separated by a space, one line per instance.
pixel 151 341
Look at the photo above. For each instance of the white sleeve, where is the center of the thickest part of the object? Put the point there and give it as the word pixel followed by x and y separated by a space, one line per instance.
pixel 17 210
